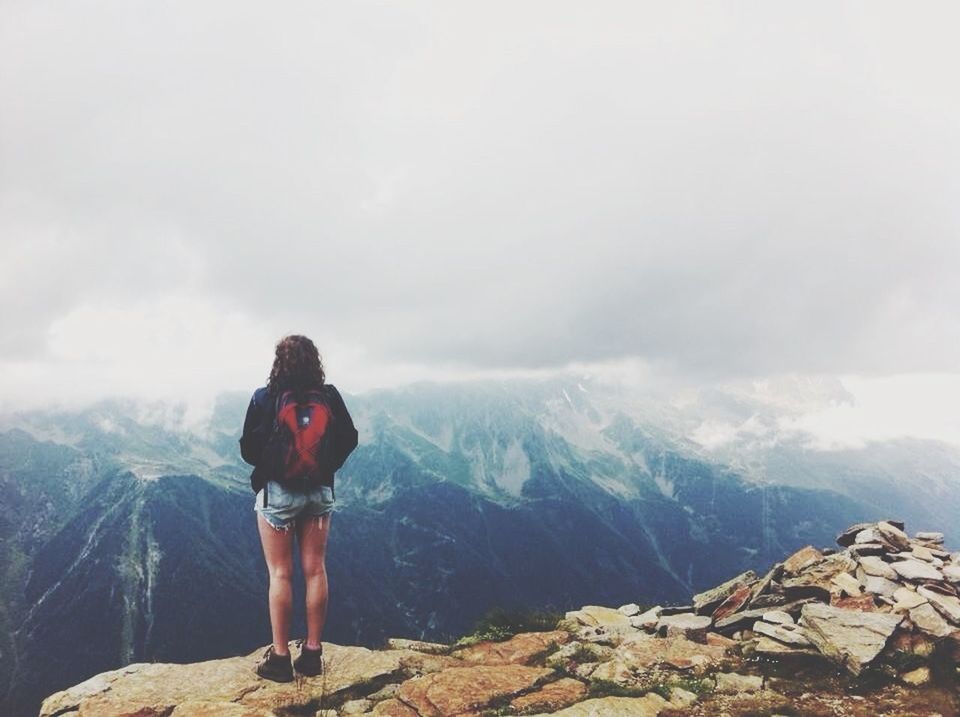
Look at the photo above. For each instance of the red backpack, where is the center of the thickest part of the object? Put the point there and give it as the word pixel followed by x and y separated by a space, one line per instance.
pixel 302 435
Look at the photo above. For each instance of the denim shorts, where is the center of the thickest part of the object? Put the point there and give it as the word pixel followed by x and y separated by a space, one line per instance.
pixel 282 503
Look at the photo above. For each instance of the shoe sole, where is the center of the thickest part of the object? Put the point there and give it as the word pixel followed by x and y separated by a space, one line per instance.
pixel 308 673
pixel 273 678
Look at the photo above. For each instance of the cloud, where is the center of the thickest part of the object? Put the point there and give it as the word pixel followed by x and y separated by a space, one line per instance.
pixel 437 190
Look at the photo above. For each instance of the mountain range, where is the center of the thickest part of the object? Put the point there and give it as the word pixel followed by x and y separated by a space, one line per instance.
pixel 127 536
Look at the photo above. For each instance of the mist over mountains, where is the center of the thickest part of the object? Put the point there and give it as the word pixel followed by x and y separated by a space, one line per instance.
pixel 125 537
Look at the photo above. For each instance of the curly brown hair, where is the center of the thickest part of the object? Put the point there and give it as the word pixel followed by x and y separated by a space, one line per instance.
pixel 297 365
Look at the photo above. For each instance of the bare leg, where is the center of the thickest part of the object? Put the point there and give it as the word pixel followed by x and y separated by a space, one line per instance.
pixel 313 534
pixel 278 552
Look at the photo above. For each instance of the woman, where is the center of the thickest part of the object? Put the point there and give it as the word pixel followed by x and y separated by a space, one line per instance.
pixel 301 506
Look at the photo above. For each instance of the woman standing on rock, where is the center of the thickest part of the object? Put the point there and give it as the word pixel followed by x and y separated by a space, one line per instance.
pixel 297 433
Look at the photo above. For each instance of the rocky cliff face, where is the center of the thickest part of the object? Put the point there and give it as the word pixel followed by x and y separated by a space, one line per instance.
pixel 871 628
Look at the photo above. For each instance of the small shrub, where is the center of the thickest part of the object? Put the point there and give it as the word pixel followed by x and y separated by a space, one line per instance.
pixel 500 624
pixel 609 688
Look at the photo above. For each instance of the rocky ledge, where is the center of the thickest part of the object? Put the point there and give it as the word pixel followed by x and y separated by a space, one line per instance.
pixel 871 628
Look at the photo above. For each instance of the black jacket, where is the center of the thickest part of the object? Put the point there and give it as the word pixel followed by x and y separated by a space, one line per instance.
pixel 258 425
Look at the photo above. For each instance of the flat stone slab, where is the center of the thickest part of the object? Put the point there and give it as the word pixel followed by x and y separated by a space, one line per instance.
pixel 778 617
pixel 650 705
pixel 458 690
pixel 709 599
pixel 788 634
pixel 851 638
pixel 946 605
pixel 876 585
pixel 873 565
pixel 686 624
pixel 647 620
pixel 801 560
pixel 519 649
pixel 912 569
pixel 206 708
pixel 431 648
pixel 162 686
pixel 607 618
pixel 732 683
pixel 551 697
pixel 642 650
pixel 929 621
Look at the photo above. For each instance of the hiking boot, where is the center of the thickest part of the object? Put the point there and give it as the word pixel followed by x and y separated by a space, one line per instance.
pixel 275 667
pixel 309 662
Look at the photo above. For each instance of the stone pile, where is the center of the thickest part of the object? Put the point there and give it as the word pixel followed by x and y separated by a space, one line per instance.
pixel 883 600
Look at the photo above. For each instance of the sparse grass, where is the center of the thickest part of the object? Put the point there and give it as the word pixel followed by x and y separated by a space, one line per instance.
pixel 584 653
pixel 500 624
pixel 609 688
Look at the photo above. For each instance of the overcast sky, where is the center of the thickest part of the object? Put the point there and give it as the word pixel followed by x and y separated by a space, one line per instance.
pixel 714 191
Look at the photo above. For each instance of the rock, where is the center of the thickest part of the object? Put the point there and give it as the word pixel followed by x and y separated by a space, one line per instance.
pixel 431 648
pixel 603 617
pixel 687 625
pixel 164 686
pixel 894 534
pixel 681 698
pixel 946 605
pixel 731 683
pixel 763 586
pixel 520 649
pixel 393 708
pixel 952 573
pixel 845 582
pixel 850 638
pixel 778 617
pixel 579 652
pixel 872 565
pixel 356 707
pixel 929 621
pixel 461 689
pixel 922 553
pixel 747 617
pixel 708 600
pixel 917 677
pixel 617 670
pixel 717 640
pixel 641 651
pixel 873 549
pixel 676 609
pixel 774 648
pixel 630 609
pixel 913 642
pixel 551 697
pixel 864 603
pixel 869 535
pixel 388 690
pixel 907 599
pixel 647 620
pixel 802 559
pixel 650 705
pixel 817 580
pixel 847 537
pixel 203 708
pixel 736 600
pixel 790 635
pixel 929 537
pixel 880 586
